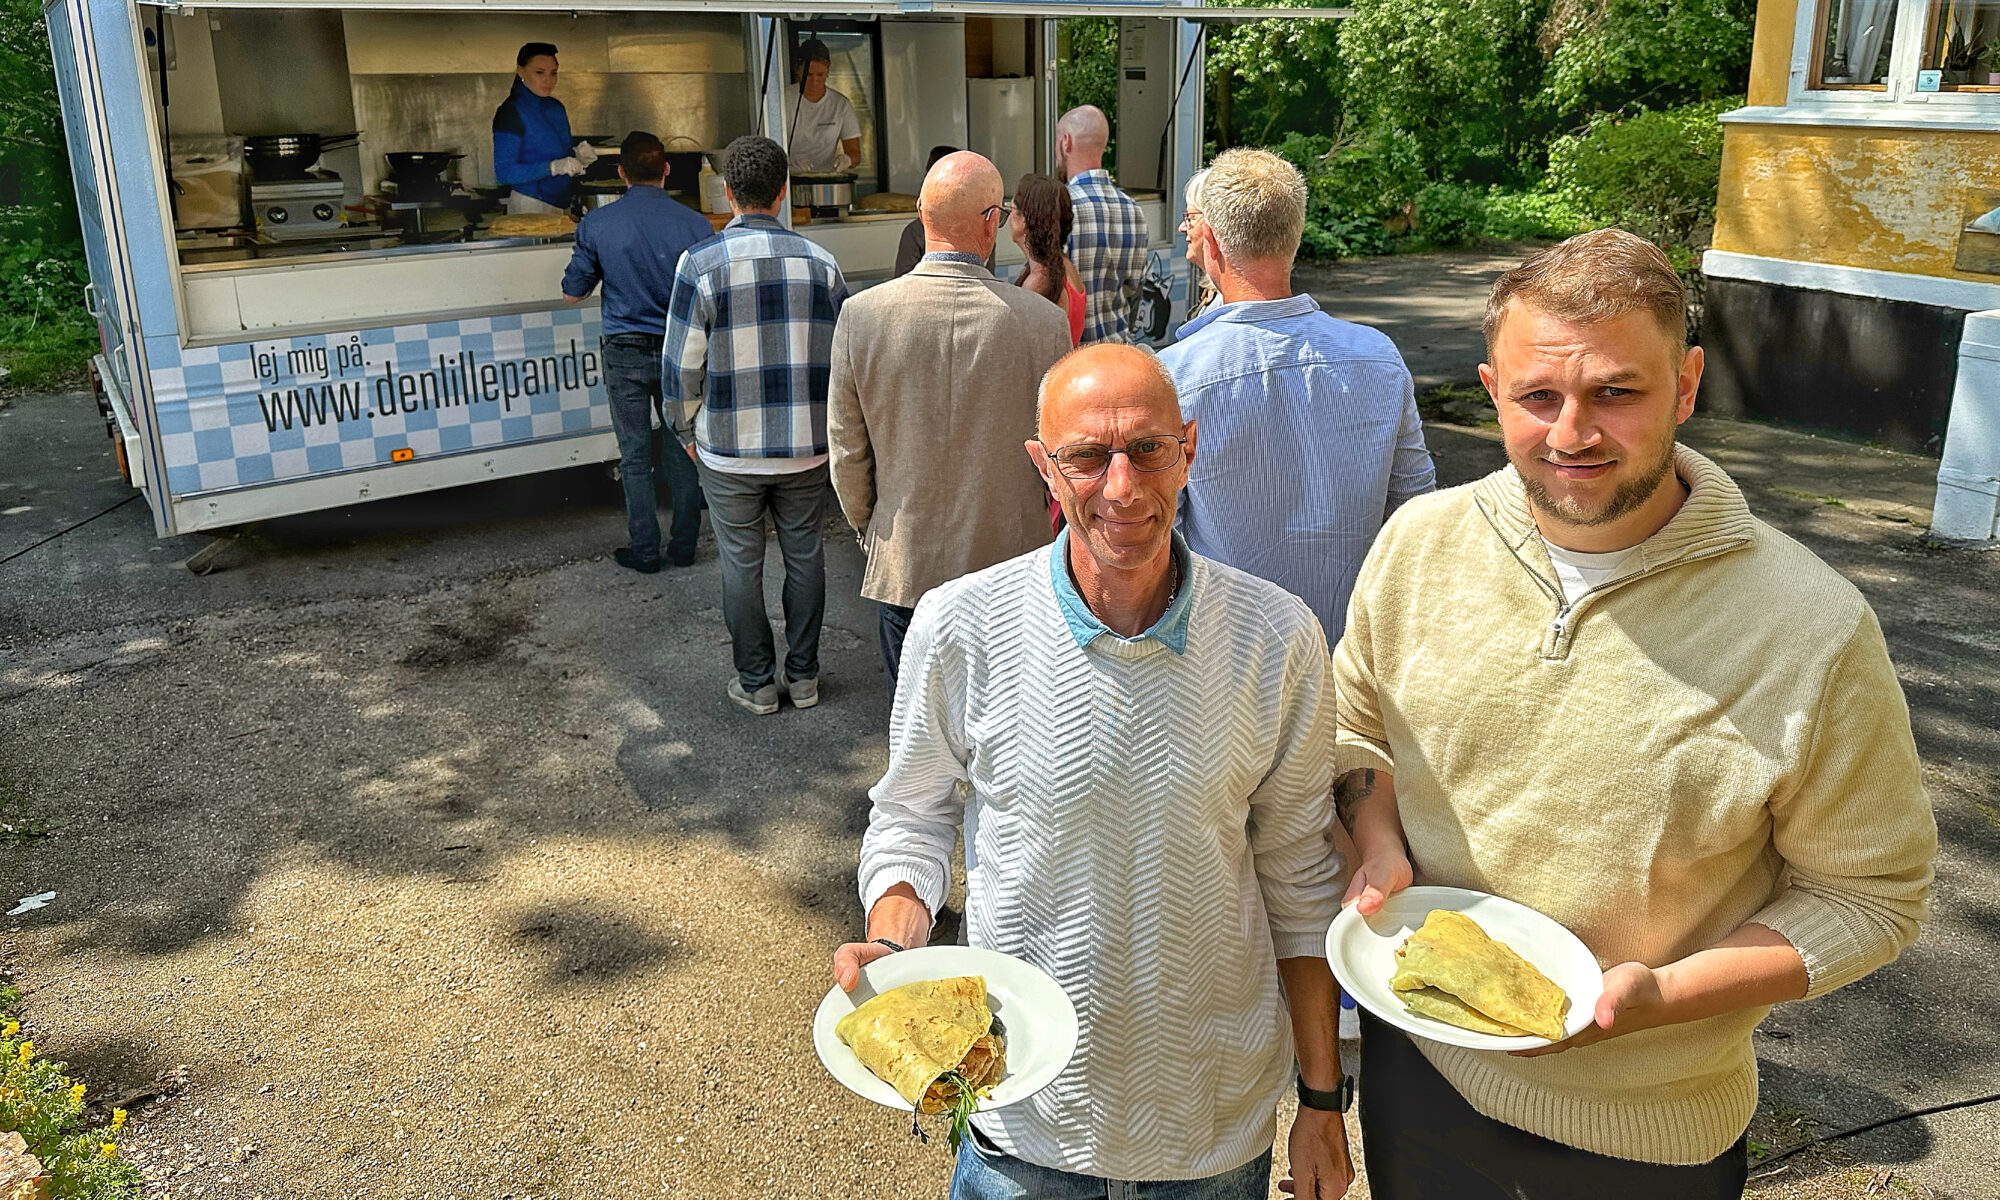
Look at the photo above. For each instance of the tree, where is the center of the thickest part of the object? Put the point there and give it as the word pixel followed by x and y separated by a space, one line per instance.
pixel 1624 56
pixel 1461 78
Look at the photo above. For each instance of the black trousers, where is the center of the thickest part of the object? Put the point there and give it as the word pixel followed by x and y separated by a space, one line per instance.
pixel 1424 1142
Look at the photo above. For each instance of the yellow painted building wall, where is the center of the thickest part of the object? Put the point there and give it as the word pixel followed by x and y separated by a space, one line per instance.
pixel 1884 199
pixel 1881 198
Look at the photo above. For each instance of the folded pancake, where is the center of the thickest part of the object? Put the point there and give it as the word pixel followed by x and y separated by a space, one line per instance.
pixel 913 1036
pixel 1452 954
pixel 1443 1006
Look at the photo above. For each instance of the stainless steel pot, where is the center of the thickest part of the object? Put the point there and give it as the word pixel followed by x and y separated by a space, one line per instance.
pixel 828 194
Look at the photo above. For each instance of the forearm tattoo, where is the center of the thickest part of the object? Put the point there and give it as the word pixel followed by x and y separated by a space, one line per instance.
pixel 1349 791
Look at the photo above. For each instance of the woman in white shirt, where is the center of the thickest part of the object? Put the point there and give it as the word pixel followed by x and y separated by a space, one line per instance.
pixel 821 130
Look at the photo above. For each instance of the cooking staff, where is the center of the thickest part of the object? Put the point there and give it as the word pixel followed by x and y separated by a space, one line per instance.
pixel 532 150
pixel 821 130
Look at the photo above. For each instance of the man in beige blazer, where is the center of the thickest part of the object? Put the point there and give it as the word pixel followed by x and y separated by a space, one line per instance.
pixel 934 378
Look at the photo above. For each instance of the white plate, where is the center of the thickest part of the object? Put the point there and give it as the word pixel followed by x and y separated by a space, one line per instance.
pixel 1034 1013
pixel 1362 952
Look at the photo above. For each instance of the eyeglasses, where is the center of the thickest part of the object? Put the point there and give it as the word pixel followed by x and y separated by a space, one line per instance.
pixel 1088 460
pixel 1189 217
pixel 1005 211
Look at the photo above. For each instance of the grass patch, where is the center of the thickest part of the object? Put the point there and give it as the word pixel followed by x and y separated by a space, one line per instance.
pixel 1457 406
pixel 46 353
pixel 1811 497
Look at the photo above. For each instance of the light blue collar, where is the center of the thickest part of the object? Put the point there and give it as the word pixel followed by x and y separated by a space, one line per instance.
pixel 1252 311
pixel 1171 630
pixel 957 256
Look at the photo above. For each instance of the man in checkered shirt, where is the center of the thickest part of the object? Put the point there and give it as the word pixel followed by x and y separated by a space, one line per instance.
pixel 1108 241
pixel 744 368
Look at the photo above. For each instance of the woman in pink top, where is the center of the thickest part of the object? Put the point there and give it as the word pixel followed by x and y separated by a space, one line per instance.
pixel 1040 226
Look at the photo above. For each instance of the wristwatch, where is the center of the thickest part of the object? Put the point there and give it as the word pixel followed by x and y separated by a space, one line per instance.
pixel 893 947
pixel 1339 1099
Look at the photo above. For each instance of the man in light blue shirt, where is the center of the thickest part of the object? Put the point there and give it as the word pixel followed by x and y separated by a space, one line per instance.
pixel 1309 430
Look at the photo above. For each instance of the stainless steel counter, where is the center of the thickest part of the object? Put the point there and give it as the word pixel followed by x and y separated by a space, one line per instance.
pixel 236 252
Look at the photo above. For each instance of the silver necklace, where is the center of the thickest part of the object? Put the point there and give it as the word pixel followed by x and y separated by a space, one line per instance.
pixel 1174 590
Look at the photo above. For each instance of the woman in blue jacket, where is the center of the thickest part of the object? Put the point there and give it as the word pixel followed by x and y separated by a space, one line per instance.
pixel 532 150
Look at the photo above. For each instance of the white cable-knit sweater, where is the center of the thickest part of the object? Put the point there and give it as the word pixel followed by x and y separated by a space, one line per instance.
pixel 1149 827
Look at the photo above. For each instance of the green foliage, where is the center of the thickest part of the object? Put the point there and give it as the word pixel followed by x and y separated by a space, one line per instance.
pixel 42 1104
pixel 1618 55
pixel 1450 214
pixel 1655 173
pixel 46 339
pixel 1459 78
pixel 1530 217
pixel 1266 77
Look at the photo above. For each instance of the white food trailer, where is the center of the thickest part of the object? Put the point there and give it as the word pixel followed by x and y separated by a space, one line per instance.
pixel 280 346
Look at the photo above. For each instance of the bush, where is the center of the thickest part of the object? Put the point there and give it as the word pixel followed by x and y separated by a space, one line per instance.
pixel 46 338
pixel 1530 217
pixel 40 1103
pixel 1655 173
pixel 1450 214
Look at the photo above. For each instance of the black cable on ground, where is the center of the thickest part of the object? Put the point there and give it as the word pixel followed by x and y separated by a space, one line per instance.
pixel 69 529
pixel 1873 1125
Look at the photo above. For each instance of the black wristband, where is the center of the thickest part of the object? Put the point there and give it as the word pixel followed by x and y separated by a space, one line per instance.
pixel 893 947
pixel 1339 1099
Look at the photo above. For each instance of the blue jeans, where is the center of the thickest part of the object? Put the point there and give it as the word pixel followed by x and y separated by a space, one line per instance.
pixel 984 1173
pixel 632 384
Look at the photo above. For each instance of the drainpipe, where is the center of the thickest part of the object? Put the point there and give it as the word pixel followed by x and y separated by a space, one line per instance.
pixel 1968 492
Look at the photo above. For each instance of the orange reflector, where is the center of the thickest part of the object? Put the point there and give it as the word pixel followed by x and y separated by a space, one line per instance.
pixel 403 455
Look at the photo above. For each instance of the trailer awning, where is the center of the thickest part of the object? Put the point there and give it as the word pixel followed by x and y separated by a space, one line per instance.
pixel 808 9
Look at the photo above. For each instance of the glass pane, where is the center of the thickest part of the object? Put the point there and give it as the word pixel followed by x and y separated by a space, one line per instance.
pixel 1858 35
pixel 1964 42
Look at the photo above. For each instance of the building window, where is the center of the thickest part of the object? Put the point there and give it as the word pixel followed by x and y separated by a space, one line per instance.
pixel 1961 43
pixel 1854 49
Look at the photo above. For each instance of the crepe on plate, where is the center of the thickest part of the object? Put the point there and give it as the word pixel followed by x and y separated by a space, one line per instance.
pixel 923 1037
pixel 1450 971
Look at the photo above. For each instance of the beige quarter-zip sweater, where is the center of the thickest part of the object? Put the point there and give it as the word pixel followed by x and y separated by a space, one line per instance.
pixel 1714 735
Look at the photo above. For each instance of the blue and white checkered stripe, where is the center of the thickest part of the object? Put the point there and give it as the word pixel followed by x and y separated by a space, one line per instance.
pixel 252 413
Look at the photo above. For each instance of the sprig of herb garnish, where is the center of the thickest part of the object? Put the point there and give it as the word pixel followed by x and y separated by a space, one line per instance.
pixel 964 1102
pixel 963 1105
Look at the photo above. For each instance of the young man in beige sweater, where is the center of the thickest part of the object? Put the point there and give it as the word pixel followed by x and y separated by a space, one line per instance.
pixel 1594 683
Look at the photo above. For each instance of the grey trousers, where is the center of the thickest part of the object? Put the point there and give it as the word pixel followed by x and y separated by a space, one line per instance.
pixel 796 503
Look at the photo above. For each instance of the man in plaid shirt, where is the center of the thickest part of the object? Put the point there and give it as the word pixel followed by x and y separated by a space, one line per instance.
pixel 744 368
pixel 1108 241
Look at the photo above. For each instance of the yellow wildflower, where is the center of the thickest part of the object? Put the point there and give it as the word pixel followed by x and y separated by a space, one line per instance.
pixel 27 1052
pixel 117 1118
pixel 76 1093
pixel 110 1151
pixel 13 1027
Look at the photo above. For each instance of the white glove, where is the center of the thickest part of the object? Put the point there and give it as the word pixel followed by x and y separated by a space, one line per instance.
pixel 841 162
pixel 566 166
pixel 586 153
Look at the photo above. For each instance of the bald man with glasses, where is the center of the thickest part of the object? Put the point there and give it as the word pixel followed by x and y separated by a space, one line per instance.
pixel 934 378
pixel 1136 743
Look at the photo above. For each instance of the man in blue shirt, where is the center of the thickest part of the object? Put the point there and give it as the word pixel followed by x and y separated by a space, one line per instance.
pixel 633 246
pixel 1309 430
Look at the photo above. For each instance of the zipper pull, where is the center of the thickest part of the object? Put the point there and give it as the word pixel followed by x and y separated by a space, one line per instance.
pixel 1556 626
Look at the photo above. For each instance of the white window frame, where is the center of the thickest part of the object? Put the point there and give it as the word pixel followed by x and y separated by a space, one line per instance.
pixel 1898 104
